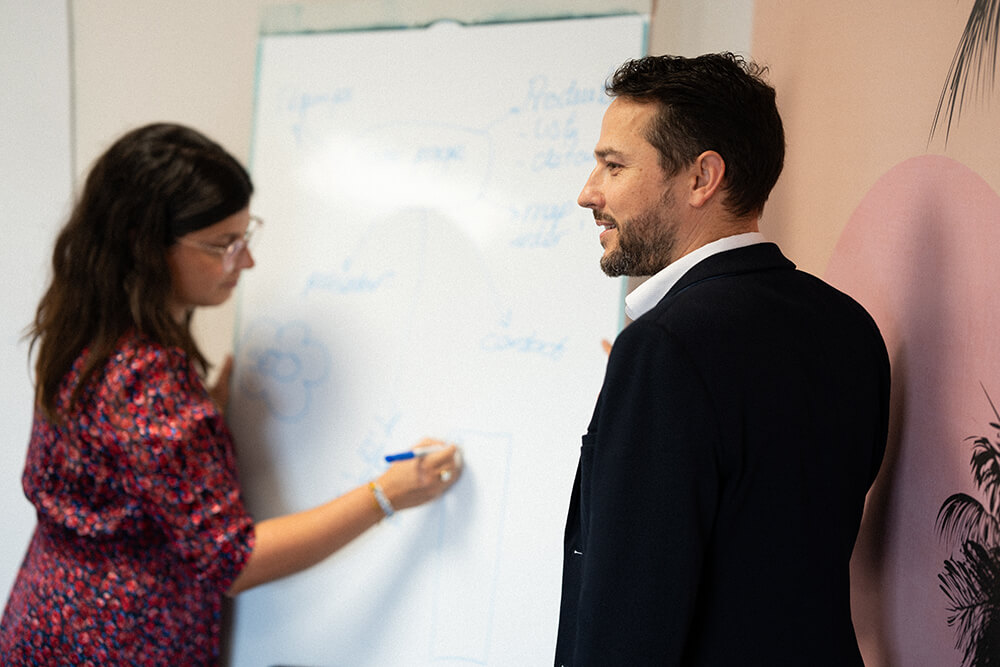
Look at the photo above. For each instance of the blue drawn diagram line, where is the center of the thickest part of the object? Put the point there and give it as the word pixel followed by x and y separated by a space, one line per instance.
pixel 469 549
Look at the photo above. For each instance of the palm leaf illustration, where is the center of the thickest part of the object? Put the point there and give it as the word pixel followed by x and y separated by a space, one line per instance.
pixel 972 586
pixel 973 67
pixel 962 517
pixel 971 580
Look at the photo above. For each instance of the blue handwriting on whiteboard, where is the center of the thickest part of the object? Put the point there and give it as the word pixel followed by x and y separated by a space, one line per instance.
pixel 543 222
pixel 542 96
pixel 501 341
pixel 376 442
pixel 555 158
pixel 556 129
pixel 346 282
pixel 557 137
pixel 300 104
pixel 439 154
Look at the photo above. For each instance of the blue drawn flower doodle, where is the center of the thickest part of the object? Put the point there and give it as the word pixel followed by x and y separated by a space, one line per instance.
pixel 280 365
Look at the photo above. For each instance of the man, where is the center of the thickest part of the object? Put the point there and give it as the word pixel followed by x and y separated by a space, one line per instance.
pixel 744 411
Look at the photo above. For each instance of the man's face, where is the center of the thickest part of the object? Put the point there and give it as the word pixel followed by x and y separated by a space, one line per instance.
pixel 630 194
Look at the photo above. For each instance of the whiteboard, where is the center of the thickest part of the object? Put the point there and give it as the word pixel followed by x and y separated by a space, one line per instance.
pixel 424 270
pixel 36 173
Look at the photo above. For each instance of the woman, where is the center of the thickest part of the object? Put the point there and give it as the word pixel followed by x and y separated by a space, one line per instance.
pixel 141 524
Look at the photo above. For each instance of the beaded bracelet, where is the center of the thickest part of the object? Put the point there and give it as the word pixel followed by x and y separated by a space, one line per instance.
pixel 381 499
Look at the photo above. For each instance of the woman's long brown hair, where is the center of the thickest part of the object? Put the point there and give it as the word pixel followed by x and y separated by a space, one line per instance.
pixel 109 267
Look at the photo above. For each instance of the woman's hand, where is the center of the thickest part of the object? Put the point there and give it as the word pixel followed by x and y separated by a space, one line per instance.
pixel 220 390
pixel 422 478
pixel 293 542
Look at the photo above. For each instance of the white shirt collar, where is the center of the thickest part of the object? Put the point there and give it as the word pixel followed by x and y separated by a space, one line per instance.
pixel 648 294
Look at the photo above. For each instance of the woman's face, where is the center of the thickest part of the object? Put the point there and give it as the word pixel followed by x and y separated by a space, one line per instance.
pixel 198 274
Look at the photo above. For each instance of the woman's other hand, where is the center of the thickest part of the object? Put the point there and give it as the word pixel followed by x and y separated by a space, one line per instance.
pixel 220 390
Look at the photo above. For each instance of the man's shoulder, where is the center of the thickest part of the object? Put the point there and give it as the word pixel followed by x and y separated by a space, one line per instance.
pixel 714 302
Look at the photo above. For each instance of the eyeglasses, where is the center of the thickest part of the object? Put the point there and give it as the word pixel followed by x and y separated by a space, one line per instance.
pixel 231 252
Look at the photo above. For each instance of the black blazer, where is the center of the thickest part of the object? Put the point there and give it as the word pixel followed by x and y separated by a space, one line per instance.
pixel 723 475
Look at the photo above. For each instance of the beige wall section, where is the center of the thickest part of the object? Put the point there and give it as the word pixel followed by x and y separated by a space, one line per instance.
pixel 692 27
pixel 857 85
pixel 193 62
pixel 184 61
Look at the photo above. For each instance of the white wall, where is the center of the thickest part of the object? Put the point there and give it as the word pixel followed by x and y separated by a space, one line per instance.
pixel 35 182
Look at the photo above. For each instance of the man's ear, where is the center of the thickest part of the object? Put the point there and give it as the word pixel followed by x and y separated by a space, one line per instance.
pixel 708 171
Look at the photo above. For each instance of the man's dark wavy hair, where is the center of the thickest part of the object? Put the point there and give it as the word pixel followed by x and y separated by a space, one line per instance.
pixel 716 102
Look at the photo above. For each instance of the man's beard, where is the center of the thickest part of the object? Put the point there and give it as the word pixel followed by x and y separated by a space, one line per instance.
pixel 645 245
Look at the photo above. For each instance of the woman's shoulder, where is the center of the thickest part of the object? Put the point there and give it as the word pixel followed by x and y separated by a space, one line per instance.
pixel 136 351
pixel 140 363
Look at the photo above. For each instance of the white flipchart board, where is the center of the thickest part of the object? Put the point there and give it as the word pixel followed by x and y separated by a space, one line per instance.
pixel 424 270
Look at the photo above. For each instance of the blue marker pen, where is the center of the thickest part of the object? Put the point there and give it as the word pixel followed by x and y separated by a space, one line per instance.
pixel 414 453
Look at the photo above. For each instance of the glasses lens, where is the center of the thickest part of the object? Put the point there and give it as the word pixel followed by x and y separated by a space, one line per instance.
pixel 252 228
pixel 234 249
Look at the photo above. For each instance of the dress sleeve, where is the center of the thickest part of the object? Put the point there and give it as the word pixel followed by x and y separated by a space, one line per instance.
pixel 649 475
pixel 178 461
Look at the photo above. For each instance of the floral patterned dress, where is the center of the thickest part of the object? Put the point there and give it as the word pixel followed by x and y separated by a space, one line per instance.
pixel 141 526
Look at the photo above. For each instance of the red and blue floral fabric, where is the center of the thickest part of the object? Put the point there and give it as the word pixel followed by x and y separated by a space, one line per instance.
pixel 141 525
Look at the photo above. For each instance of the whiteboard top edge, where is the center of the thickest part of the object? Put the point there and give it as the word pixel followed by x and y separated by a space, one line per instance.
pixel 281 23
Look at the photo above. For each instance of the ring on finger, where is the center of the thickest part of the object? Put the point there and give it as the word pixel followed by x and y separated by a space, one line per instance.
pixel 444 475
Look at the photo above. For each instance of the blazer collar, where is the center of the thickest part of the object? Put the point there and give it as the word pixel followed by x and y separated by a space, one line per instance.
pixel 758 257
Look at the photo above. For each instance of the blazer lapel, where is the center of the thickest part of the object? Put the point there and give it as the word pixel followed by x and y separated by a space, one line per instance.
pixel 749 259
